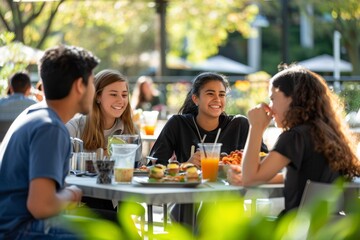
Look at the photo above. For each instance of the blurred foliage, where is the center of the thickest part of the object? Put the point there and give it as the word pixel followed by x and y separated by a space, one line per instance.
pixel 22 18
pixel 123 33
pixel 10 63
pixel 197 28
pixel 176 94
pixel 350 95
pixel 120 36
pixel 345 16
pixel 341 15
pixel 228 219
pixel 247 93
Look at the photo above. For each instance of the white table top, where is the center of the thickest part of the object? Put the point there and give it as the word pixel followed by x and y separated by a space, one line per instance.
pixel 160 195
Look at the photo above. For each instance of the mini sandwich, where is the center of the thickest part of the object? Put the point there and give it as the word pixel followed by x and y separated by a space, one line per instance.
pixel 185 165
pixel 192 173
pixel 173 168
pixel 156 172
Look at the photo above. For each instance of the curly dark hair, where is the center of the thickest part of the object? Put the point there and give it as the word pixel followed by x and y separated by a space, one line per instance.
pixel 314 104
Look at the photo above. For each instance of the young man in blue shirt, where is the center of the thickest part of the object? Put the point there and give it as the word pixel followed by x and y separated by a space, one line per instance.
pixel 35 153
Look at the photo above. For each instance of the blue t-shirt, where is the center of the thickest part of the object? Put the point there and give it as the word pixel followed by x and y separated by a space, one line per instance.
pixel 38 147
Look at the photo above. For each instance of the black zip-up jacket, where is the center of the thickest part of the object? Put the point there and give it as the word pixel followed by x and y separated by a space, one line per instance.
pixel 180 133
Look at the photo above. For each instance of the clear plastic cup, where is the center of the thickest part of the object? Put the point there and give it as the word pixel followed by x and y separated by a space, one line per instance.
pixel 150 121
pixel 124 156
pixel 210 156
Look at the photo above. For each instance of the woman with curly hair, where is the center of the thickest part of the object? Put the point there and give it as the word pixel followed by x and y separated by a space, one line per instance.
pixel 314 144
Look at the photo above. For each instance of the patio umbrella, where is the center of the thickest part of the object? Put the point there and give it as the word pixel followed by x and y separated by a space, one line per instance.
pixel 18 52
pixel 325 63
pixel 222 64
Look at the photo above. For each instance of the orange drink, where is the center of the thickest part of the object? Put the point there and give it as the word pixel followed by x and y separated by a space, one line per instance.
pixel 150 121
pixel 210 155
pixel 210 167
pixel 149 130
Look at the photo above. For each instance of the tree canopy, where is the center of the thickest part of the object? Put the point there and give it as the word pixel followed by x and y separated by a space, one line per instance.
pixel 120 31
pixel 123 32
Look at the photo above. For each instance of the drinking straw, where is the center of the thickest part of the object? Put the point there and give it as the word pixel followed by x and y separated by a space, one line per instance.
pixel 192 150
pixel 217 137
pixel 202 141
pixel 99 153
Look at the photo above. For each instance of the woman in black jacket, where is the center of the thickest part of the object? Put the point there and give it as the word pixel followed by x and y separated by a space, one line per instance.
pixel 202 113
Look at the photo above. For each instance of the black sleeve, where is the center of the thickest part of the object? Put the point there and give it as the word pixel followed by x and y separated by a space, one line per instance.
pixel 291 144
pixel 163 147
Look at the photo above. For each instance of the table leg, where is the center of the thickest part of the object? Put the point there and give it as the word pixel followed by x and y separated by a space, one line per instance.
pixel 150 220
pixel 165 212
pixel 188 215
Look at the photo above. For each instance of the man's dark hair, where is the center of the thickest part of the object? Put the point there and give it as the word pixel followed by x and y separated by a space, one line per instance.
pixel 20 82
pixel 61 66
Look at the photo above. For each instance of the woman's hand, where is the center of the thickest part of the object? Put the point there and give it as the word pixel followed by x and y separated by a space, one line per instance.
pixel 260 116
pixel 195 159
pixel 234 175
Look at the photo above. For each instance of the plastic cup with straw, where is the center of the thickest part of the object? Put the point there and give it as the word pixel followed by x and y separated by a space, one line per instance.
pixel 202 144
pixel 210 155
pixel 216 139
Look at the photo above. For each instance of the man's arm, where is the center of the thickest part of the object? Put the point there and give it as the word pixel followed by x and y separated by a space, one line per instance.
pixel 43 200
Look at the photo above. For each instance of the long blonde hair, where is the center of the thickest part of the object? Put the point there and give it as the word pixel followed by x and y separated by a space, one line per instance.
pixel 93 135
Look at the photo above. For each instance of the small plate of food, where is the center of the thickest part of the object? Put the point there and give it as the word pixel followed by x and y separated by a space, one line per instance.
pixel 159 176
pixel 142 171
pixel 167 181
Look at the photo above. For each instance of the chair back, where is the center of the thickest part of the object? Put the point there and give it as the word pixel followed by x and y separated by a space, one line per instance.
pixel 4 126
pixel 342 198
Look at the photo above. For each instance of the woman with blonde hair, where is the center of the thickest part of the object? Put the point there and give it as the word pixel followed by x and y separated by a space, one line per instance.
pixel 314 145
pixel 110 115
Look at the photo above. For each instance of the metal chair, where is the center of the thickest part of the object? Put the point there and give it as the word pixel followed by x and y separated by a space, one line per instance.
pixel 4 126
pixel 342 197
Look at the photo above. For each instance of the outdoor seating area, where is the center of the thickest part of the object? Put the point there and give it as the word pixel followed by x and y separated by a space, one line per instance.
pixel 189 120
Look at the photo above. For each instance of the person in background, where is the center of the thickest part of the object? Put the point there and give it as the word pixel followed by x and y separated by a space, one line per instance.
pixel 34 157
pixel 203 112
pixel 110 115
pixel 38 92
pixel 314 144
pixel 18 100
pixel 145 96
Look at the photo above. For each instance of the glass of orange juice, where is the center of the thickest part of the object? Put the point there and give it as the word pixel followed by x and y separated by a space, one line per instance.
pixel 150 121
pixel 210 156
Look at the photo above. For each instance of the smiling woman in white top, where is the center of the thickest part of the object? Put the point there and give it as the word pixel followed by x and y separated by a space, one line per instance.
pixel 111 112
pixel 110 115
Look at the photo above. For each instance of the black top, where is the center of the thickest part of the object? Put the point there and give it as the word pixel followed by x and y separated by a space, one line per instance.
pixel 305 163
pixel 180 133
